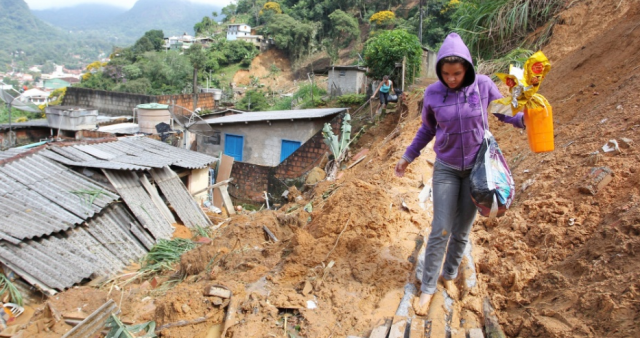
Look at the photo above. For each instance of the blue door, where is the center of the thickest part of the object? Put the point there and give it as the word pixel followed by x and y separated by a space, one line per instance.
pixel 233 145
pixel 288 147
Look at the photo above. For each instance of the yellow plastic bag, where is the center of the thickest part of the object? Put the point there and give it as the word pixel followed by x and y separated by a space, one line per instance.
pixel 538 116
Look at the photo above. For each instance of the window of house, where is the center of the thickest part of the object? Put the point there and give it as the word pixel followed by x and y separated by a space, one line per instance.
pixel 343 73
pixel 215 139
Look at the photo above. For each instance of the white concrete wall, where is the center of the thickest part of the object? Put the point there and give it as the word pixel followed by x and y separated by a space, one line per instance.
pixel 353 82
pixel 263 141
pixel 198 180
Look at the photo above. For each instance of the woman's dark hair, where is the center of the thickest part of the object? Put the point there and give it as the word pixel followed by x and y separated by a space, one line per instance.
pixel 454 59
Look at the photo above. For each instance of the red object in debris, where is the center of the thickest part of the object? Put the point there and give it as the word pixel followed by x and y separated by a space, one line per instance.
pixel 203 240
pixel 360 154
pixel 24 88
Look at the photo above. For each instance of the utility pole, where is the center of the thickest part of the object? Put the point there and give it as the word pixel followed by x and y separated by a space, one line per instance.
pixel 420 26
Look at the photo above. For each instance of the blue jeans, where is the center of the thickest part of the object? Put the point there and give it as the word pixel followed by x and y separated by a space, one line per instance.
pixel 453 216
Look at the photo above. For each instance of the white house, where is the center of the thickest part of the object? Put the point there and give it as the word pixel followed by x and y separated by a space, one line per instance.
pixel 35 96
pixel 236 30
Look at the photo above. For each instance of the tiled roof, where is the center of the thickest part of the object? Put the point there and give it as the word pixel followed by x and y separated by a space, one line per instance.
pixel 275 115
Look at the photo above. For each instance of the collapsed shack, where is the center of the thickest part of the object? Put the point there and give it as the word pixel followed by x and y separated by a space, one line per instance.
pixel 64 220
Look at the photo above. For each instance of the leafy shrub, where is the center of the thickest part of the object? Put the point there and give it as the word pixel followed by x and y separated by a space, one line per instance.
pixel 352 99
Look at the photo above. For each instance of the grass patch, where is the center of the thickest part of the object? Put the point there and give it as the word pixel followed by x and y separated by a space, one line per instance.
pixel 7 286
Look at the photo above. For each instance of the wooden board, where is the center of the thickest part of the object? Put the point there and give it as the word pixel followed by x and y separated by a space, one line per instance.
pixel 417 328
pixel 382 330
pixel 398 327
pixel 224 172
pixel 227 200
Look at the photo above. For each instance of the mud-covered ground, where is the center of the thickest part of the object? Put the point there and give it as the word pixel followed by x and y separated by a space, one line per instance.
pixel 560 263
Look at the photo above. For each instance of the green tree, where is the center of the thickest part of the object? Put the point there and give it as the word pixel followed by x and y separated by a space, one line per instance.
pixel 385 49
pixel 198 58
pixel 207 26
pixel 344 28
pixel 253 100
pixel 291 35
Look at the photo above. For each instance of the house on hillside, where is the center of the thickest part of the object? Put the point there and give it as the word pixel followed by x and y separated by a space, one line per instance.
pixel 55 83
pixel 76 211
pixel 284 144
pixel 179 42
pixel 35 96
pixel 236 30
pixel 345 79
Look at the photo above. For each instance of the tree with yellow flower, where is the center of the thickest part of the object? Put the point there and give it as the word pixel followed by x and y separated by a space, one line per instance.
pixel 383 18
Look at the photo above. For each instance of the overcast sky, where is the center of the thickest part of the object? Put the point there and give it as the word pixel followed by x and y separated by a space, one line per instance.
pixel 44 4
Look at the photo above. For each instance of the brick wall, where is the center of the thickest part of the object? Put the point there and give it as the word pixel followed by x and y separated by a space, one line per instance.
pixel 116 104
pixel 249 181
pixel 24 136
pixel 308 155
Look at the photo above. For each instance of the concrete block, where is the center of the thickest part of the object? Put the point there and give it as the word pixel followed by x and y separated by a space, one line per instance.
pixel 476 333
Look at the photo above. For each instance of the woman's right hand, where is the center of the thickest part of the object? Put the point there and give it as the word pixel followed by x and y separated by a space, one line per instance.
pixel 401 167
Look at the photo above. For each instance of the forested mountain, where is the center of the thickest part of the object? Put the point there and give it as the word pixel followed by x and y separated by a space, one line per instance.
pixel 79 17
pixel 27 40
pixel 123 27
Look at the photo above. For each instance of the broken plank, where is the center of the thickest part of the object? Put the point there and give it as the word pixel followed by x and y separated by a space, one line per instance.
pixel 271 235
pixel 381 331
pixel 227 200
pixel 398 327
pixel 417 328
pixel 225 182
pixel 224 173
pixel 217 292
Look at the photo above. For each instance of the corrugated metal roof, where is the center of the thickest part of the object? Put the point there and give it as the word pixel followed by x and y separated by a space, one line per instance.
pixel 9 153
pixel 129 153
pixel 103 246
pixel 275 115
pixel 95 322
pixel 178 196
pixel 41 197
pixel 130 189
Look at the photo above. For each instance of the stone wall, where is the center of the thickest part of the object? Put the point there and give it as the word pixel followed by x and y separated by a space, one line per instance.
pixel 117 104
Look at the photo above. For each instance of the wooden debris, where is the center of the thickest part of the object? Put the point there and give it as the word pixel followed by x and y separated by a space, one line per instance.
pixel 491 324
pixel 224 173
pixel 227 200
pixel 307 288
pixel 270 234
pixel 229 319
pixel 216 185
pixel 417 328
pixel 382 330
pixel 217 291
pixel 398 327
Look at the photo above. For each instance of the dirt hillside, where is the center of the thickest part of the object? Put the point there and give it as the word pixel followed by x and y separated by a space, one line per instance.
pixel 560 263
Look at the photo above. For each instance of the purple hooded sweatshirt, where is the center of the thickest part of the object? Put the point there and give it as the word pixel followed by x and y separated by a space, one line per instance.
pixel 455 116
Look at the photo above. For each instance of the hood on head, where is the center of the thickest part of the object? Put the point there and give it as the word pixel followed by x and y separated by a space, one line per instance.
pixel 454 46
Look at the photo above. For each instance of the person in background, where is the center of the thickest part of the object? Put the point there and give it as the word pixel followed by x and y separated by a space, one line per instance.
pixel 385 88
pixel 454 112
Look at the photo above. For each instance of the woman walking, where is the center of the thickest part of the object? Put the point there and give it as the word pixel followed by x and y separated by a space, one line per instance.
pixel 454 112
pixel 385 88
